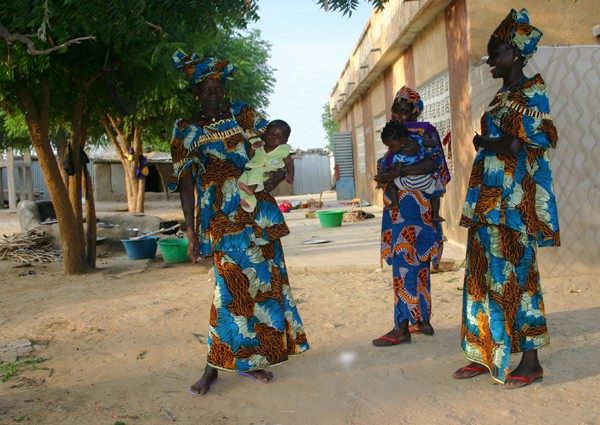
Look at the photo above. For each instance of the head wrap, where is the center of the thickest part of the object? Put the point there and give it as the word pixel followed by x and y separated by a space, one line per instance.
pixel 516 31
pixel 198 69
pixel 412 97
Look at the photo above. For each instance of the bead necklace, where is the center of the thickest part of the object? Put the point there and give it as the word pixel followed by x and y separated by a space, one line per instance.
pixel 212 119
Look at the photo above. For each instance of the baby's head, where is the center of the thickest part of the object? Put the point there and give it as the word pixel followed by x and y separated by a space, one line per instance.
pixel 396 136
pixel 277 133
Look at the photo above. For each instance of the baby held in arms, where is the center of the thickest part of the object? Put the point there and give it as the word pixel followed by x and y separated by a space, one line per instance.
pixel 406 149
pixel 269 154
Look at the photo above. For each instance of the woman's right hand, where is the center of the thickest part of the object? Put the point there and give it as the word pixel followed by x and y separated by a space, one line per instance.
pixel 193 250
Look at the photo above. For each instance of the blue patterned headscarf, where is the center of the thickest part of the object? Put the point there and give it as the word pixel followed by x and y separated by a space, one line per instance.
pixel 198 69
pixel 517 32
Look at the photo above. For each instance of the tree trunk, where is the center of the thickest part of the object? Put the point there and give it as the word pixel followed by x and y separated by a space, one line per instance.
pixel 130 174
pixel 62 143
pixel 141 183
pixel 123 140
pixel 38 124
pixel 90 206
pixel 75 181
pixel 90 213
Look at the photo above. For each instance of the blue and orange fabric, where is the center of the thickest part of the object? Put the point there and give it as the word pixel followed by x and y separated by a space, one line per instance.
pixel 197 69
pixel 425 129
pixel 411 159
pixel 516 190
pixel 410 242
pixel 510 210
pixel 254 322
pixel 516 30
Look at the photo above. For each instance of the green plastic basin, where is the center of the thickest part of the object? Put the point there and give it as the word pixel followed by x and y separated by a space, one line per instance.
pixel 332 218
pixel 174 250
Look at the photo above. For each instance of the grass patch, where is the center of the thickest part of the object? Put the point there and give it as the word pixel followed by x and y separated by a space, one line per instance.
pixel 10 369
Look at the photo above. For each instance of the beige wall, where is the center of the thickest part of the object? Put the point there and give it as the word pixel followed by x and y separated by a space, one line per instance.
pixel 430 51
pixel 573 78
pixel 357 113
pixel 398 75
pixel 563 22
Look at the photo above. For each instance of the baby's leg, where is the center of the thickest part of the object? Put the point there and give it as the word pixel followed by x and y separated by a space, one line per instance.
pixel 244 183
pixel 247 201
pixel 435 209
pixel 248 189
pixel 392 192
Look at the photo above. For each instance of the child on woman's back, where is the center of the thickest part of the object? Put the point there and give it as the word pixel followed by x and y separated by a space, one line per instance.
pixel 270 154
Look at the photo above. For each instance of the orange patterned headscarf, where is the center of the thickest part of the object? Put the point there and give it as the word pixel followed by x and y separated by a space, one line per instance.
pixel 412 97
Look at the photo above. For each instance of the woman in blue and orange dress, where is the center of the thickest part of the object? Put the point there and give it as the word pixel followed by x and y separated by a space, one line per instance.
pixel 410 240
pixel 406 108
pixel 254 323
pixel 510 210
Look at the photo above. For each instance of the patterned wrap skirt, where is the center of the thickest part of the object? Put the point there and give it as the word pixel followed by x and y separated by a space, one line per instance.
pixel 254 322
pixel 503 308
pixel 410 242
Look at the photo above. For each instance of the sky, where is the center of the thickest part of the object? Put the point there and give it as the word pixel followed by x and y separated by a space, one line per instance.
pixel 310 48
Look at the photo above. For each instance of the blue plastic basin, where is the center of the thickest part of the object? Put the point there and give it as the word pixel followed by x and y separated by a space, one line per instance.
pixel 141 249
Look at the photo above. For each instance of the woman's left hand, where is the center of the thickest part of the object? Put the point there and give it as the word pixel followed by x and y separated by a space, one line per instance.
pixel 477 141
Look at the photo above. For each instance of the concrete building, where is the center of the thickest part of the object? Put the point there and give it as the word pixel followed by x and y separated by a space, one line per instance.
pixel 438 48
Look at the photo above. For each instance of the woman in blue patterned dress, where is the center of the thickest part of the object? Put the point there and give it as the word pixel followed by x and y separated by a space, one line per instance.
pixel 410 239
pixel 510 210
pixel 254 323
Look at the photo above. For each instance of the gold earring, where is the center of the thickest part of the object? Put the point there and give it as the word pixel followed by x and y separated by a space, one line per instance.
pixel 516 58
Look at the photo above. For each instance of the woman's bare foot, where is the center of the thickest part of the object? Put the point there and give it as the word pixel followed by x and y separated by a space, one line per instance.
pixel 438 218
pixel 202 386
pixel 390 207
pixel 422 327
pixel 248 189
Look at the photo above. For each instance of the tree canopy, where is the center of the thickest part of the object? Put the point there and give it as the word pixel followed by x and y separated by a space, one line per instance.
pixel 69 64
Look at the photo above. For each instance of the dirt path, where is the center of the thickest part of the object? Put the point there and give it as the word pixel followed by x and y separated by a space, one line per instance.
pixel 128 340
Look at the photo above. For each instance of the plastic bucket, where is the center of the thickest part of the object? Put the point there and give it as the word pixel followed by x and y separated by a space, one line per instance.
pixel 174 250
pixel 141 249
pixel 331 218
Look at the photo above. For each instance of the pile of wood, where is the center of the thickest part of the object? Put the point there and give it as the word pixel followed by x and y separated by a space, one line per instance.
pixel 29 247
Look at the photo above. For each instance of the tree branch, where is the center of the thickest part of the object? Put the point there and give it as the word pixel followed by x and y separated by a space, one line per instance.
pixel 4 33
pixel 156 27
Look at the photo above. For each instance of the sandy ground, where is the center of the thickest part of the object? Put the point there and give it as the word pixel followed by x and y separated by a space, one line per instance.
pixel 126 342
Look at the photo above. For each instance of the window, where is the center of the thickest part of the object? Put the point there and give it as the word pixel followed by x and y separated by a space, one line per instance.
pixel 378 123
